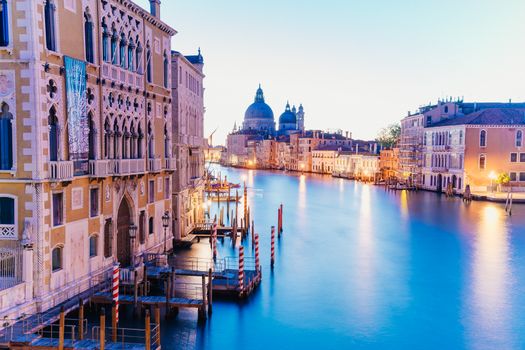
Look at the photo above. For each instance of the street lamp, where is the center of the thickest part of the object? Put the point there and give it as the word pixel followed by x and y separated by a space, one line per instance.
pixel 492 177
pixel 165 224
pixel 132 235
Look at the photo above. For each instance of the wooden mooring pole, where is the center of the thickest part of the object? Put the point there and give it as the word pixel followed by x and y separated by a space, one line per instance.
pixel 81 319
pixel 102 335
pixel 210 291
pixel 157 322
pixel 114 322
pixel 61 329
pixel 147 329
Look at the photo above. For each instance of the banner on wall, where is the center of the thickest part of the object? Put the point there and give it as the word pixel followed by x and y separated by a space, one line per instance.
pixel 77 120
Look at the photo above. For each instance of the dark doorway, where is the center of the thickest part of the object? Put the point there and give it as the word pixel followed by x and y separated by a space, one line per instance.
pixel 123 240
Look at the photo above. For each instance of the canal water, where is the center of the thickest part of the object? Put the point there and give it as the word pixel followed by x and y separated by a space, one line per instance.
pixel 358 267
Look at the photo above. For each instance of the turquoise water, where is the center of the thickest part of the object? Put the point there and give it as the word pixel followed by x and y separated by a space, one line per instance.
pixel 358 267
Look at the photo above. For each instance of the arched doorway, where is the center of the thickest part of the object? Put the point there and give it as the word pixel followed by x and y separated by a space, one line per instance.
pixel 123 240
pixel 439 183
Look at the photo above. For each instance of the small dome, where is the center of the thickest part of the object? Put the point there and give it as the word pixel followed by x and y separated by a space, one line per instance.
pixel 288 117
pixel 259 109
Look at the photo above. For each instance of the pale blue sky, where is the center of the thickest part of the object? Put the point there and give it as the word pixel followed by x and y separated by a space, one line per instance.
pixel 356 65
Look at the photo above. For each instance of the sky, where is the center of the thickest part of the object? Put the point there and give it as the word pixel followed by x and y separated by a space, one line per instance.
pixel 355 65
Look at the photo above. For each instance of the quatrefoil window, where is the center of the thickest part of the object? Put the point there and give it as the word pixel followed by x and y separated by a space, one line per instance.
pixel 90 96
pixel 52 88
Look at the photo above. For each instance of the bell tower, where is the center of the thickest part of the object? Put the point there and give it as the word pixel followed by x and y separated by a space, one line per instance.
pixel 300 118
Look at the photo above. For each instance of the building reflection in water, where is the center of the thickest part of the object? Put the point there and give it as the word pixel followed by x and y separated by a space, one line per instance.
pixel 488 294
pixel 365 281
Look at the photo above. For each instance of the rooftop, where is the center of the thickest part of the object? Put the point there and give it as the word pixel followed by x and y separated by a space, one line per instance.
pixel 491 116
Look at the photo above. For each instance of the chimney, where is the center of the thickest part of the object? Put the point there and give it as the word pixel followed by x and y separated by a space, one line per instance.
pixel 155 8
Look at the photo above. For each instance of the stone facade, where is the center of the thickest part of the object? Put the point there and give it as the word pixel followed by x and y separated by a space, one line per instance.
pixel 188 145
pixel 73 214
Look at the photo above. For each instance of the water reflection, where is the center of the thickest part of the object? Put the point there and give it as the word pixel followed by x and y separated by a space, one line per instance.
pixel 491 280
pixel 361 267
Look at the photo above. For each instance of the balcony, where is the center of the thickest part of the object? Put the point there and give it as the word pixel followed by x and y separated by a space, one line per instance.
pixel 154 165
pixel 99 168
pixel 7 232
pixel 126 167
pixel 169 164
pixel 61 171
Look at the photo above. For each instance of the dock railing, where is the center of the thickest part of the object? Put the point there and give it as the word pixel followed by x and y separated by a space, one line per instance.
pixel 127 336
pixel 11 254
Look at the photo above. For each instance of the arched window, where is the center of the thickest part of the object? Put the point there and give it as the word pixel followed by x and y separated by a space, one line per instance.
pixel 107 139
pixel 108 227
pixel 446 109
pixel 138 55
pixel 4 23
pixel 49 14
pixel 91 137
pixel 483 138
pixel 123 47
pixel 88 37
pixel 6 138
pixel 93 246
pixel 140 137
pixel 166 142
pixel 132 143
pixel 519 138
pixel 148 65
pixel 125 140
pixel 54 135
pixel 151 145
pixel 151 226
pixel 56 258
pixel 482 161
pixel 166 68
pixel 131 47
pixel 116 139
pixel 114 50
pixel 105 41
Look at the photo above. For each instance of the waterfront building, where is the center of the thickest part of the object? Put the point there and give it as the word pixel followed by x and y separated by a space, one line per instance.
pixel 324 158
pixel 474 150
pixel 214 154
pixel 412 131
pixel 289 122
pixel 188 141
pixel 389 163
pixel 85 145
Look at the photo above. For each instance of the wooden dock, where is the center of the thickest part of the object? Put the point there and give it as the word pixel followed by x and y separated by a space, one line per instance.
pixel 174 302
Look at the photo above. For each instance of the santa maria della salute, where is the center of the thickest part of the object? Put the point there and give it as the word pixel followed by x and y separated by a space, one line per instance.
pixel 259 119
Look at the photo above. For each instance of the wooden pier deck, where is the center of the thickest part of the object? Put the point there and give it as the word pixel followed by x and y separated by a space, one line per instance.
pixel 105 298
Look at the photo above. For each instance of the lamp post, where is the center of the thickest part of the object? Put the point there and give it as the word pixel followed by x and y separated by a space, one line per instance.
pixel 165 224
pixel 132 236
pixel 492 177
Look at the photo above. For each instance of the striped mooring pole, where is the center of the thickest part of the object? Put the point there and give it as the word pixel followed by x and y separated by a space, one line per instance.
pixel 257 253
pixel 214 240
pixel 241 270
pixel 279 221
pixel 273 246
pixel 115 287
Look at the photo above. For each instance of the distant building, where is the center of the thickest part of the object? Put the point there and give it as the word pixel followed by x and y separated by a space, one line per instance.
pixel 474 149
pixel 389 163
pixel 412 131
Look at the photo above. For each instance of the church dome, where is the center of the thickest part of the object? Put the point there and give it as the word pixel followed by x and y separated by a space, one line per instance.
pixel 259 109
pixel 288 117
